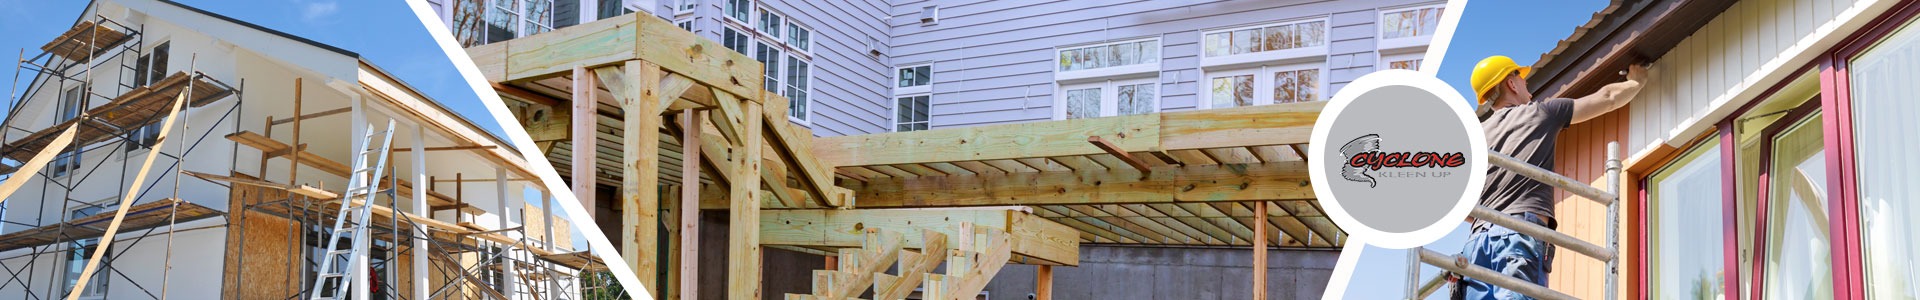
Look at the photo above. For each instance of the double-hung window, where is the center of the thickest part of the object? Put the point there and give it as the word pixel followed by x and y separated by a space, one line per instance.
pixel 682 7
pixel 736 40
pixel 771 23
pixel 1404 34
pixel 72 102
pixel 913 94
pixel 79 251
pixel 152 68
pixel 737 10
pixel 769 56
pixel 1261 64
pixel 509 19
pixel 1107 79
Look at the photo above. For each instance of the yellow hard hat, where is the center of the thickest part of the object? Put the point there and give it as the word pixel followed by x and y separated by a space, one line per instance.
pixel 1492 72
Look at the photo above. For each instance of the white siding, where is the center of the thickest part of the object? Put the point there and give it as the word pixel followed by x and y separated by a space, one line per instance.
pixel 1734 58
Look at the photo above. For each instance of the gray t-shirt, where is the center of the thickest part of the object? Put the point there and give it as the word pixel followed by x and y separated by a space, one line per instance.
pixel 1527 132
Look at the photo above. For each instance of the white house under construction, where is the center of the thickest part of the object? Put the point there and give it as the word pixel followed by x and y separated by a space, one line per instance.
pixel 248 179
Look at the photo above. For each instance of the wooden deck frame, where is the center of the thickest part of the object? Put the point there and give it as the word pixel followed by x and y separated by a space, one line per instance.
pixel 1187 178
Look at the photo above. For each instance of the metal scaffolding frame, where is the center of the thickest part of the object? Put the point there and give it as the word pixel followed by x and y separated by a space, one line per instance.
pixel 1609 253
pixel 57 70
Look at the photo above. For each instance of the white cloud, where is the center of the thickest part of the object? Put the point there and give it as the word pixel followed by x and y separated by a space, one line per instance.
pixel 319 11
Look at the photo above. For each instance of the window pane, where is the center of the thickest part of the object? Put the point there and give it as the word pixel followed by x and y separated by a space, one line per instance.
pixel 1150 51
pixel 1313 34
pixel 797 80
pixel 922 75
pixel 1389 25
pixel 1430 21
pixel 770 59
pixel 1283 87
pixel 1797 264
pixel 1136 99
pixel 1686 227
pixel 1280 37
pixel 1125 54
pixel 1218 44
pixel 1232 91
pixel 1083 103
pixel 1306 87
pixel 1243 41
pixel 1884 123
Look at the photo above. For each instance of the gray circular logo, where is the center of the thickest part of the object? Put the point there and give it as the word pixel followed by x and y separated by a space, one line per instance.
pixel 1397 158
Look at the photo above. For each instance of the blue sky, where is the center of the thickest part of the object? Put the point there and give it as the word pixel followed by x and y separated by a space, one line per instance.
pixel 386 33
pixel 1521 29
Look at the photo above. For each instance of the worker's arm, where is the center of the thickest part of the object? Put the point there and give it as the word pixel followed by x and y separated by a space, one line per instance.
pixel 1611 96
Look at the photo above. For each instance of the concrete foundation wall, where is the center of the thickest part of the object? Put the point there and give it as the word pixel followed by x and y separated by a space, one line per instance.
pixel 1119 272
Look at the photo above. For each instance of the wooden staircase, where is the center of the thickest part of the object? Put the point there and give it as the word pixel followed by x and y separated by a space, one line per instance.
pixel 969 267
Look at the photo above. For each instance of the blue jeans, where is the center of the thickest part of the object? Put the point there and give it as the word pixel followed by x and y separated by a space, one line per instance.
pixel 1508 252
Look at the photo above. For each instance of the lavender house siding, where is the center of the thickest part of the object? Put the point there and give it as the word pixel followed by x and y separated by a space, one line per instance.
pixel 993 61
pixel 850 94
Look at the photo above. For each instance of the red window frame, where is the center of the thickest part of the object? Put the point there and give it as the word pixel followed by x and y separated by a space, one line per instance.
pixel 1835 107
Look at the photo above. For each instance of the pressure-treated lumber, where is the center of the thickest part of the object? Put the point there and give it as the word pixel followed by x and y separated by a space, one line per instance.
pixel 743 243
pixel 1122 154
pixel 31 168
pixel 913 267
pixel 613 41
pixel 1260 252
pixel 584 115
pixel 982 269
pixel 1035 240
pixel 637 83
pixel 133 191
pixel 1167 184
pixel 1278 124
pixel 1043 283
pixel 690 144
pixel 814 175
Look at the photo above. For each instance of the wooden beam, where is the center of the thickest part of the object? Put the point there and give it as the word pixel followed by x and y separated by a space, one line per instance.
pixel 1167 184
pixel 1043 283
pixel 1262 125
pixel 1122 154
pixel 1035 239
pixel 743 243
pixel 584 123
pixel 635 86
pixel 314 115
pixel 448 148
pixel 690 144
pixel 815 176
pixel 731 118
pixel 31 167
pixel 1260 252
pixel 528 95
pixel 671 87
pixel 133 190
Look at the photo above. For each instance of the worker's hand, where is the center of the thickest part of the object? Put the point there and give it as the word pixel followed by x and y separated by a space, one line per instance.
pixel 1637 73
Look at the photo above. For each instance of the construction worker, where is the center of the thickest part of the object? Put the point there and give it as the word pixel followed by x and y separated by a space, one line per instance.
pixel 1517 126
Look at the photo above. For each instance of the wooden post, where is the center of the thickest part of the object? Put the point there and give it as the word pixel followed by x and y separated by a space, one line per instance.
pixel 585 111
pixel 420 207
pixel 1043 284
pixel 743 243
pixel 640 191
pixel 293 160
pixel 690 203
pixel 1260 251
pixel 508 268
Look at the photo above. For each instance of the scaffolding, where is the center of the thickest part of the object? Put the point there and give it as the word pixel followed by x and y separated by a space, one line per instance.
pixel 68 65
pixel 468 261
pixel 1608 253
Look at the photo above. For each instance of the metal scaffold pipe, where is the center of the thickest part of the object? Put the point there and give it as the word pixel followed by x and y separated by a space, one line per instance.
pixel 1450 263
pixel 1550 178
pixel 1535 230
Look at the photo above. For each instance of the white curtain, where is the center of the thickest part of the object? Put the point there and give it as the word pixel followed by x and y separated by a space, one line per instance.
pixel 1690 248
pixel 1886 125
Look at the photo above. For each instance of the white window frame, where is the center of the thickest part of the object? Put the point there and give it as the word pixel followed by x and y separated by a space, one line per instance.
pixel 791 28
pixel 807 115
pixel 1109 95
pixel 778 65
pixel 1386 58
pixel 895 112
pixel 685 23
pixel 737 32
pixel 1263 81
pixel 1255 58
pixel 66 263
pixel 779 27
pixel 727 8
pixel 1418 42
pixel 684 7
pixel 918 89
pixel 1108 72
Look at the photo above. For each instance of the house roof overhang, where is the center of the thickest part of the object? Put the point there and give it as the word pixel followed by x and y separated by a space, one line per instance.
pixel 1625 32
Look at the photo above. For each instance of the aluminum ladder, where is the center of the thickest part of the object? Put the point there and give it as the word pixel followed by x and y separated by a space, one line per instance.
pixel 1609 253
pixel 335 281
